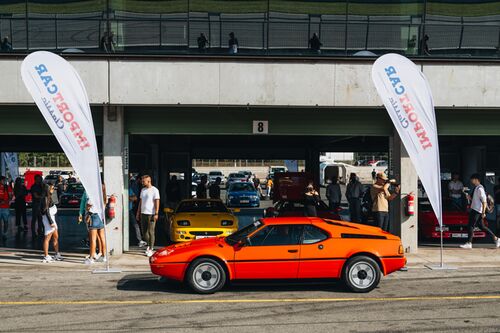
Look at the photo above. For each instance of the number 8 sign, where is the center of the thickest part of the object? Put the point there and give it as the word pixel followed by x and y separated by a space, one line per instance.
pixel 260 127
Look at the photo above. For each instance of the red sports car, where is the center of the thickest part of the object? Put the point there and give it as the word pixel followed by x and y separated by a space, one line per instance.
pixel 285 248
pixel 455 221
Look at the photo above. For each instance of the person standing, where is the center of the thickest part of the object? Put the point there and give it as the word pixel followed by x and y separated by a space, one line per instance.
pixel 5 198
pixel 456 189
pixel 6 45
pixel 477 212
pixel 233 44
pixel 202 43
pixel 49 211
pixel 37 192
pixel 132 199
pixel 496 195
pixel 381 196
pixel 315 44
pixel 149 205
pixel 333 193
pixel 173 192
pixel 201 189
pixel 214 189
pixel 353 194
pixel 269 187
pixel 311 200
pixel 20 193
pixel 374 175
pixel 60 187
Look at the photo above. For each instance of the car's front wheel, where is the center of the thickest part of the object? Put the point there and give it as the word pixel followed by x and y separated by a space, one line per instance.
pixel 206 276
pixel 361 274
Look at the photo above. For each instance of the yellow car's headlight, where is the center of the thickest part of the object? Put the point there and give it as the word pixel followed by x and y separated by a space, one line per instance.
pixel 183 223
pixel 226 223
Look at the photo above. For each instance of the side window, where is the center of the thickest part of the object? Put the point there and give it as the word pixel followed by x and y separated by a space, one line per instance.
pixel 277 235
pixel 313 235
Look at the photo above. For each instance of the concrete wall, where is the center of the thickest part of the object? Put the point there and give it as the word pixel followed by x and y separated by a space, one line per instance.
pixel 141 82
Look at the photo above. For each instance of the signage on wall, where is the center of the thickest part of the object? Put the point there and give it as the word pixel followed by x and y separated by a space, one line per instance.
pixel 260 127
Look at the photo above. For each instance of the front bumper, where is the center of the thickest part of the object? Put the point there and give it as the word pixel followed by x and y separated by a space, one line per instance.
pixel 178 235
pixel 237 202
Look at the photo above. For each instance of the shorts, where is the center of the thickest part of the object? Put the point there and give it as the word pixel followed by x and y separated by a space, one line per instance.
pixel 95 222
pixel 4 214
pixel 46 224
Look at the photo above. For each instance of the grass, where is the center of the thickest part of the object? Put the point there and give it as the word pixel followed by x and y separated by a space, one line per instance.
pixel 259 6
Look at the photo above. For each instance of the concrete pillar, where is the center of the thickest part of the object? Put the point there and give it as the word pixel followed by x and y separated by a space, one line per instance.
pixel 402 225
pixel 113 143
pixel 313 164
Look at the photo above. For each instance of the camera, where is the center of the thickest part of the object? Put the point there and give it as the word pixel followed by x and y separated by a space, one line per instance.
pixel 393 182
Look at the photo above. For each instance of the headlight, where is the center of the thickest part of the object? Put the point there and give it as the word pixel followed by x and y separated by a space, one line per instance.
pixel 231 197
pixel 180 232
pixel 445 228
pixel 183 223
pixel 254 197
pixel 226 223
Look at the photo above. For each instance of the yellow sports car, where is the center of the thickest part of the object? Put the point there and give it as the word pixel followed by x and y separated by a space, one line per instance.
pixel 201 218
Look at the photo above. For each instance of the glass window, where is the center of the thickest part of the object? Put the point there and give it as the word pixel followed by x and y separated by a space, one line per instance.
pixel 378 28
pixel 242 187
pixel 66 25
pixel 277 235
pixel 313 234
pixel 200 206
pixel 292 25
pixel 13 26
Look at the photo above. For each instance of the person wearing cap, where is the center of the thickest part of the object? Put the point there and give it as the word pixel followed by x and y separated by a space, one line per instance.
pixel 354 193
pixel 381 196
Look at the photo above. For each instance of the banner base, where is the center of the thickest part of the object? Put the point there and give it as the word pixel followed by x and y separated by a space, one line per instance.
pixel 441 267
pixel 106 271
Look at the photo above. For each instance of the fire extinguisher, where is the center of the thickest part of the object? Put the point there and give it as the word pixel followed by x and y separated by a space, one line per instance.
pixel 410 206
pixel 111 207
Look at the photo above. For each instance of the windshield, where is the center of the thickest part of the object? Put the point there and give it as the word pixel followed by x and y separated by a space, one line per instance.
pixel 237 175
pixel 278 170
pixel 215 173
pixel 241 187
pixel 243 233
pixel 75 188
pixel 208 206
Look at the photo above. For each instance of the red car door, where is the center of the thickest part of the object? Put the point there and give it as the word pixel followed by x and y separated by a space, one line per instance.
pixel 271 253
pixel 318 257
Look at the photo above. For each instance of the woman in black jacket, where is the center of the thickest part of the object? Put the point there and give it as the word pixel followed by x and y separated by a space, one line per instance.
pixel 20 193
pixel 311 200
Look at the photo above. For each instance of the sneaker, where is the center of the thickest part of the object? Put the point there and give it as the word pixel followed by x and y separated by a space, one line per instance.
pixel 149 253
pixel 497 243
pixel 466 246
pixel 98 256
pixel 147 250
pixel 142 243
pixel 88 261
pixel 58 257
pixel 103 259
pixel 47 259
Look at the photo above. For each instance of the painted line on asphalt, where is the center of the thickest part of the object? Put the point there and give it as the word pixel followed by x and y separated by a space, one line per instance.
pixel 271 300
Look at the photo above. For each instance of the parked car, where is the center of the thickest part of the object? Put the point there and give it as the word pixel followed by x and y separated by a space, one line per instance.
pixel 455 221
pixel 51 179
pixel 72 196
pixel 236 178
pixel 242 194
pixel 284 249
pixel 247 173
pixel 212 176
pixel 193 190
pixel 276 169
pixel 288 208
pixel 200 218
pixel 197 177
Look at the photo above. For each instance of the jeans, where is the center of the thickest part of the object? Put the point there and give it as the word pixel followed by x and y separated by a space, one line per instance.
pixel 148 225
pixel 355 209
pixel 134 224
pixel 4 219
pixel 475 219
pixel 382 219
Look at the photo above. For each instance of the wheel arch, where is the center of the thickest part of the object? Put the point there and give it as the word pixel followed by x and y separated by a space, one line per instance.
pixel 222 262
pixel 370 255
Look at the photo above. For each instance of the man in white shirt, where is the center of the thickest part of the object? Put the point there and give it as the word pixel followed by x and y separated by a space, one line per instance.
pixel 456 188
pixel 478 212
pixel 149 205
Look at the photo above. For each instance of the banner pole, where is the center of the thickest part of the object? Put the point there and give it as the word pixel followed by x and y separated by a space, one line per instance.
pixel 441 236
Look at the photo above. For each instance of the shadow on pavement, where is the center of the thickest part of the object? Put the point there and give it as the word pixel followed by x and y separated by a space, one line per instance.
pixel 149 282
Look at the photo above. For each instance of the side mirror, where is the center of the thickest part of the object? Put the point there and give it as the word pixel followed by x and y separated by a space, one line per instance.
pixel 245 241
pixel 236 210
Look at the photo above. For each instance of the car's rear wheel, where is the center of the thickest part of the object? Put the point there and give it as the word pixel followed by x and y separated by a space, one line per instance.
pixel 361 274
pixel 206 276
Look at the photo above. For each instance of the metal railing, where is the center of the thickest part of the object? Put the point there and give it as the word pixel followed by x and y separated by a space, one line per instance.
pixel 260 35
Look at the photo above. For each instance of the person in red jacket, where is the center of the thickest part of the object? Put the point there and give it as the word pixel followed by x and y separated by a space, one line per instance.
pixel 5 198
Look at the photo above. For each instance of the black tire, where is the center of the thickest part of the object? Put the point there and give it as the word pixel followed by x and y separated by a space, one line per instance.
pixel 205 276
pixel 361 274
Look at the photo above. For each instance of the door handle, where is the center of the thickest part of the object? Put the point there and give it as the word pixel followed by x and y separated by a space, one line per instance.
pixel 293 251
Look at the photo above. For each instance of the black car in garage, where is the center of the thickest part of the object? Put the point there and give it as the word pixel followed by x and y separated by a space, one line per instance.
pixel 72 197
